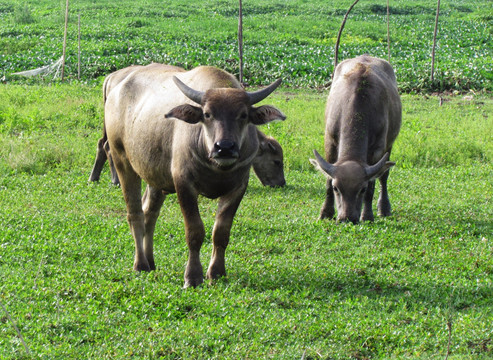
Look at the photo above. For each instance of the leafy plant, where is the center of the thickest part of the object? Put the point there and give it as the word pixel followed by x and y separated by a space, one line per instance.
pixel 300 48
pixel 23 15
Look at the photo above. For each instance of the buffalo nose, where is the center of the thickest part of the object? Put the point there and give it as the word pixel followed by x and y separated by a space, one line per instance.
pixel 225 148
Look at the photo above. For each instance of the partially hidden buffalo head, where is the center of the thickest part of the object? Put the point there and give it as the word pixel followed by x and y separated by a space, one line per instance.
pixel 268 164
pixel 225 114
pixel 349 182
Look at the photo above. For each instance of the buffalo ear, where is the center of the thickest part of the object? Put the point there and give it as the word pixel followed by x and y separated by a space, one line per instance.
pixel 375 171
pixel 188 113
pixel 323 166
pixel 382 170
pixel 265 114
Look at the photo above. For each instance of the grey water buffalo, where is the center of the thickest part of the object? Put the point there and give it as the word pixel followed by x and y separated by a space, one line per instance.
pixel 362 120
pixel 268 165
pixel 191 133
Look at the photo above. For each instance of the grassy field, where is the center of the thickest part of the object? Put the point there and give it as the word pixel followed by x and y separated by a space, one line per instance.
pixel 290 39
pixel 296 288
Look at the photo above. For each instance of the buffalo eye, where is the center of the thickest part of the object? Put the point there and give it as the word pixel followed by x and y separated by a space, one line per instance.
pixel 243 115
pixel 362 191
pixel 336 190
pixel 207 116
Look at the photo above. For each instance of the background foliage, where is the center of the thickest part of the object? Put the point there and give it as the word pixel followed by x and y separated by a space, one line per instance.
pixel 289 39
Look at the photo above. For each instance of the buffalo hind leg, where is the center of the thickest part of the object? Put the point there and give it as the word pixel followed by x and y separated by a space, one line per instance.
pixel 367 213
pixel 152 200
pixel 383 205
pixel 328 211
pixel 194 234
pixel 114 174
pixel 100 160
pixel 226 210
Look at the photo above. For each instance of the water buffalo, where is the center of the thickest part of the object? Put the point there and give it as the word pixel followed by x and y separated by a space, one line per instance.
pixel 362 120
pixel 267 165
pixel 191 133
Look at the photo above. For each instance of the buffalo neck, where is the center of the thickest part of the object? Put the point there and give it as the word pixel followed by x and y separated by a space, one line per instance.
pixel 354 135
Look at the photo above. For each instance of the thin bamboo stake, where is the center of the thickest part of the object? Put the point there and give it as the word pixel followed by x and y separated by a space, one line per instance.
pixel 388 31
pixel 434 43
pixel 336 55
pixel 240 40
pixel 78 52
pixel 16 328
pixel 65 41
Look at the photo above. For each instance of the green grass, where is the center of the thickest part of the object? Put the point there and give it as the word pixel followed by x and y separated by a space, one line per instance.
pixel 296 285
pixel 290 39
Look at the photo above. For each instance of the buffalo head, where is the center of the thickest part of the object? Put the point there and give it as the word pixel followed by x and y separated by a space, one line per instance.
pixel 268 164
pixel 349 181
pixel 225 114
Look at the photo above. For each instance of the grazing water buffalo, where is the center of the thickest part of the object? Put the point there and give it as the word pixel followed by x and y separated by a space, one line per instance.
pixel 191 133
pixel 362 120
pixel 267 165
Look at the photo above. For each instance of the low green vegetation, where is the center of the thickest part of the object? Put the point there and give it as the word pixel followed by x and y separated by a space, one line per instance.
pixel 290 39
pixel 404 287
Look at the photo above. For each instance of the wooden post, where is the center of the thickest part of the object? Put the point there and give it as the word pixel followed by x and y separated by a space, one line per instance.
pixel 78 52
pixel 336 55
pixel 65 41
pixel 388 31
pixel 434 43
pixel 240 40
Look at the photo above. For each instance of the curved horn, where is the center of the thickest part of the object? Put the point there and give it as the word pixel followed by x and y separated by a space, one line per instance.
pixel 259 95
pixel 324 165
pixel 190 93
pixel 371 171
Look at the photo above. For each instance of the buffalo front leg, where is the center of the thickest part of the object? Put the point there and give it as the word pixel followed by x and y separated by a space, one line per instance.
pixel 328 211
pixel 152 200
pixel 225 214
pixel 383 205
pixel 131 188
pixel 367 213
pixel 194 234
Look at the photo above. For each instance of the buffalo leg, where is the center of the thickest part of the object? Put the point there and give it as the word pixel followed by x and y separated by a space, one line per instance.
pixel 226 210
pixel 152 200
pixel 114 174
pixel 328 211
pixel 383 204
pixel 131 187
pixel 100 160
pixel 194 234
pixel 367 213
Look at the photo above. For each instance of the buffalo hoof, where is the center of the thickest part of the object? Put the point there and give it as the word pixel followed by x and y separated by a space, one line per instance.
pixel 367 217
pixel 193 276
pixel 193 282
pixel 384 209
pixel 142 267
pixel 215 273
pixel 152 266
pixel 327 214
